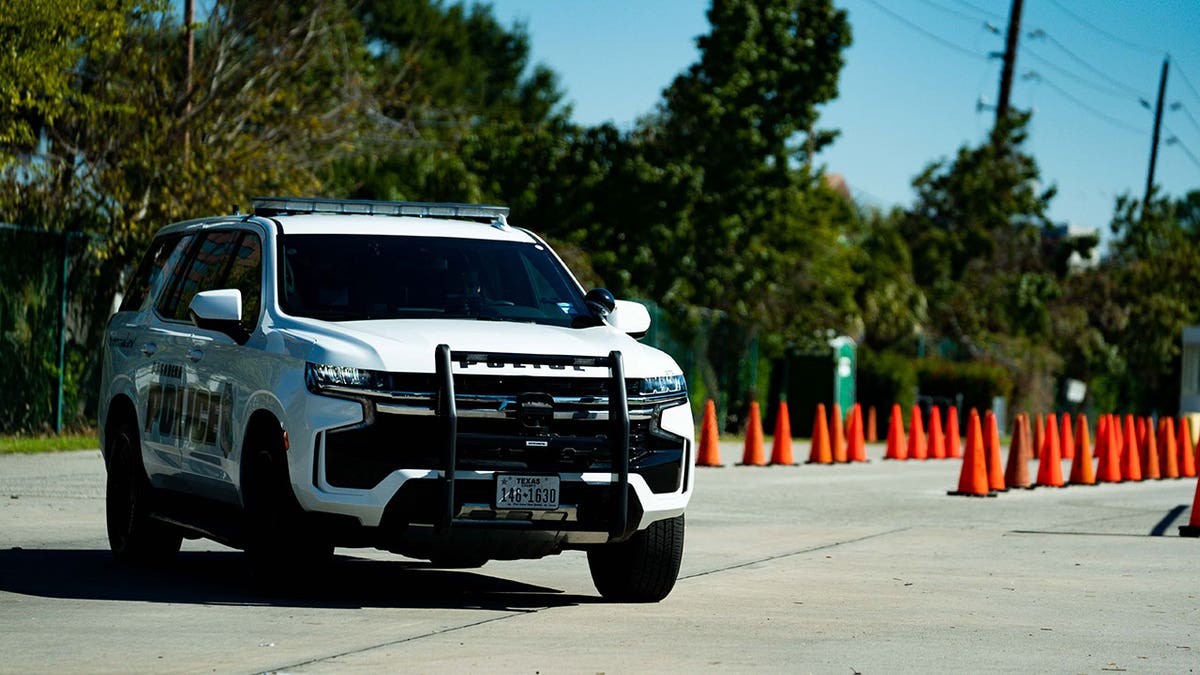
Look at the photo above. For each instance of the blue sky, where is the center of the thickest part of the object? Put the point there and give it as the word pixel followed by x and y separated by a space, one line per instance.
pixel 913 77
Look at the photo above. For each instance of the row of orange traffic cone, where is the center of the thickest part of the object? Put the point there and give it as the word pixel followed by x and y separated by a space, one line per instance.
pixel 1119 457
pixel 827 447
pixel 938 445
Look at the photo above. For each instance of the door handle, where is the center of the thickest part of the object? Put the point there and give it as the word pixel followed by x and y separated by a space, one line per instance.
pixel 194 355
pixel 149 349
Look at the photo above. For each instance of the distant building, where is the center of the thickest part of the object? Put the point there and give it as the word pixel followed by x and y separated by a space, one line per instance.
pixel 837 183
pixel 1059 234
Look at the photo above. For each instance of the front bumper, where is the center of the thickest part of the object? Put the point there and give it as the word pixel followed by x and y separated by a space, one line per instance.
pixel 422 471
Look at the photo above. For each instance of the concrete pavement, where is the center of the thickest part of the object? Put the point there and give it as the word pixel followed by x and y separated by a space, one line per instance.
pixel 866 568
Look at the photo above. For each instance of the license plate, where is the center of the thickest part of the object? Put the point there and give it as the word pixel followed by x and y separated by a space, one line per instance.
pixel 526 492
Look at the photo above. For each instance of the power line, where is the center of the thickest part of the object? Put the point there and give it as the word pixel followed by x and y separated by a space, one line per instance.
pixel 973 18
pixel 1039 33
pixel 1174 140
pixel 1116 93
pixel 1191 118
pixel 1187 82
pixel 1084 105
pixel 982 10
pixel 921 29
pixel 1115 38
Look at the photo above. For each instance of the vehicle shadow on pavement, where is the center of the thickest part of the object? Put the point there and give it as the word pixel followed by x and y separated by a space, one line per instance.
pixel 222 578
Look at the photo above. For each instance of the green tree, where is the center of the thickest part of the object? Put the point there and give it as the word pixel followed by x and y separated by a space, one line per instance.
pixel 485 125
pixel 893 307
pixel 1150 281
pixel 757 238
pixel 278 93
pixel 975 232
pixel 45 44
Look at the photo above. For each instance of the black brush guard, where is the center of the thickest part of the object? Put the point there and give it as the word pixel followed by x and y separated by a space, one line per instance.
pixel 618 415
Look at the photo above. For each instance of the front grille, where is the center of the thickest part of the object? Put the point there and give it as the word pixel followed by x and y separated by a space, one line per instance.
pixel 493 435
pixel 361 457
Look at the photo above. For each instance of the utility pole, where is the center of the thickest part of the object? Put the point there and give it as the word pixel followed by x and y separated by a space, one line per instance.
pixel 1006 75
pixel 189 18
pixel 1158 110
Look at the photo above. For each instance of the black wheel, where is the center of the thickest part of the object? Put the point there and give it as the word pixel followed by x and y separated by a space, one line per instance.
pixel 281 550
pixel 133 535
pixel 643 568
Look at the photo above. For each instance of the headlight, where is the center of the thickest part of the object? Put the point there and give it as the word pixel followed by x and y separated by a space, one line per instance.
pixel 667 384
pixel 320 377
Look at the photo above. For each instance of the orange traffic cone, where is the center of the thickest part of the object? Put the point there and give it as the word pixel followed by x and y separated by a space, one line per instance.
pixel 872 435
pixel 1168 454
pixel 916 436
pixel 1050 464
pixel 838 440
pixel 1131 464
pixel 781 446
pixel 1110 462
pixel 753 454
pixel 896 447
pixel 1067 438
pixel 858 444
pixel 973 478
pixel 992 456
pixel 953 438
pixel 1139 425
pixel 1016 474
pixel 1192 529
pixel 819 453
pixel 937 438
pixel 1148 446
pixel 710 451
pixel 1081 469
pixel 1187 460
pixel 1102 449
pixel 1039 437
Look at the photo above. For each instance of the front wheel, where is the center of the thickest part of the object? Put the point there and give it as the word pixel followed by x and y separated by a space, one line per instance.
pixel 133 535
pixel 283 551
pixel 643 568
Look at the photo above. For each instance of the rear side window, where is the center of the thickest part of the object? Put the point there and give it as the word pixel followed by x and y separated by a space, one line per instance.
pixel 245 274
pixel 163 255
pixel 221 259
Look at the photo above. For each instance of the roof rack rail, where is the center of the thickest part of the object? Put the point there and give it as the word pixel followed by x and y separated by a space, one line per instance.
pixel 273 206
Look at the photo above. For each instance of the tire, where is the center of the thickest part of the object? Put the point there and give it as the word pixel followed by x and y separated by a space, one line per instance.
pixel 133 535
pixel 643 568
pixel 281 550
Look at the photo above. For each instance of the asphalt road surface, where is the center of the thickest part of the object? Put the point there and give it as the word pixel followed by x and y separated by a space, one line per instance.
pixel 867 568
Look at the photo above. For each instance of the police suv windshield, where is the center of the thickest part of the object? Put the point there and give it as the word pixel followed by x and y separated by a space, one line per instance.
pixel 363 277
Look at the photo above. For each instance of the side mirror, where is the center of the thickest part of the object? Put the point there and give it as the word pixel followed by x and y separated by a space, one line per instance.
pixel 600 301
pixel 220 310
pixel 630 317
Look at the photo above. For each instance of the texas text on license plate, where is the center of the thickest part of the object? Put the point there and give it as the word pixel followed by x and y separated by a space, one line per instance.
pixel 526 492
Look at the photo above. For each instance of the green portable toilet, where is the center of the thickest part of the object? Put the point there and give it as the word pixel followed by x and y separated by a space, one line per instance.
pixel 806 379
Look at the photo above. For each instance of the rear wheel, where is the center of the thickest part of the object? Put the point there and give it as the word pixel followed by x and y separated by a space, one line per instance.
pixel 280 548
pixel 133 535
pixel 643 568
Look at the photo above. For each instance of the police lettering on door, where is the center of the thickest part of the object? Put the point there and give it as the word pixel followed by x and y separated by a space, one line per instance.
pixel 177 413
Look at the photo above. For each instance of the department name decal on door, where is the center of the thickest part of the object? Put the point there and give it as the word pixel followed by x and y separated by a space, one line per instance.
pixel 177 413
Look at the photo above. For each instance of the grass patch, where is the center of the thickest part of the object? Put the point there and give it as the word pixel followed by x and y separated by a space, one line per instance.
pixel 29 445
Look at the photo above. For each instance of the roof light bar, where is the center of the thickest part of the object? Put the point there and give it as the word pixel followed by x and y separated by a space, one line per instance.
pixel 270 206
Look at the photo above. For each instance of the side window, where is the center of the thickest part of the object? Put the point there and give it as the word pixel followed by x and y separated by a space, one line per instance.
pixel 202 272
pixel 245 274
pixel 164 253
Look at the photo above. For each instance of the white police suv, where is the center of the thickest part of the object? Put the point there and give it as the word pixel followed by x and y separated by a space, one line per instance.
pixel 420 378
